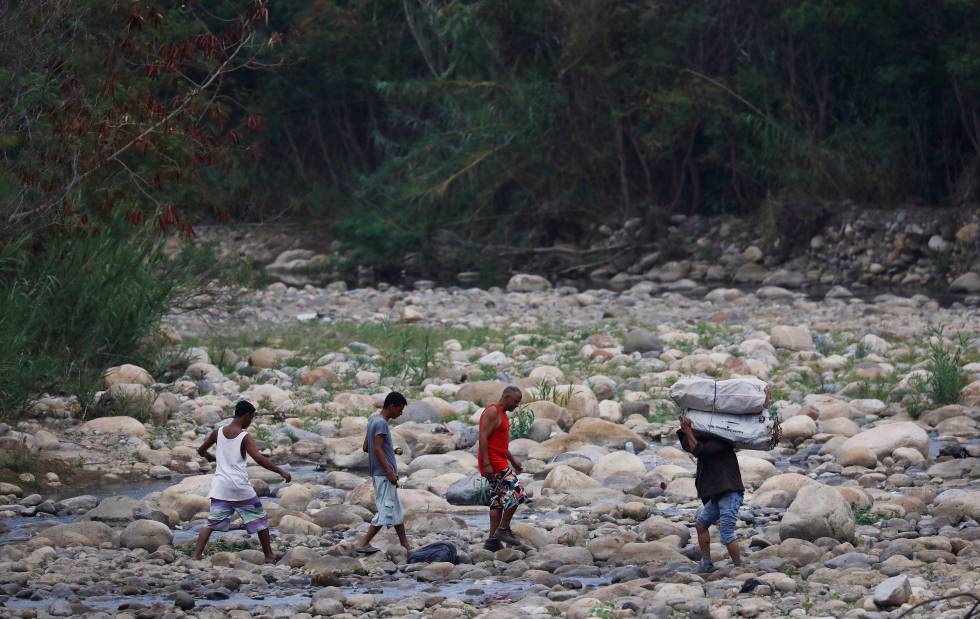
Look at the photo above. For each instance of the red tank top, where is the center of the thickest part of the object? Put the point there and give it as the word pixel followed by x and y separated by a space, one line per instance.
pixel 497 443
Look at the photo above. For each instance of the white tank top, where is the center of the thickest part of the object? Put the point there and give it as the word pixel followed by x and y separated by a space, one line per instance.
pixel 230 482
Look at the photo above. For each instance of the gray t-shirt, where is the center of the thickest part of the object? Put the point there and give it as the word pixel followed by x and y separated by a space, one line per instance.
pixel 378 426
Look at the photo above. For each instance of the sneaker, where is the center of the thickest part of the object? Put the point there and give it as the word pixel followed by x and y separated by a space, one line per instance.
pixel 705 567
pixel 507 536
pixel 492 544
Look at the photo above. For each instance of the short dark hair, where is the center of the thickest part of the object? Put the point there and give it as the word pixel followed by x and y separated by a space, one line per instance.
pixel 395 399
pixel 244 408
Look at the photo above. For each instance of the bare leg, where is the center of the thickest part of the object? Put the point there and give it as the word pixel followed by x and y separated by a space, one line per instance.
pixel 202 541
pixel 505 520
pixel 371 532
pixel 266 542
pixel 495 518
pixel 735 552
pixel 704 542
pixel 402 538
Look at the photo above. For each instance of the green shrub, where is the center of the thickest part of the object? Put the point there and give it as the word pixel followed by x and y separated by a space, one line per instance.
pixel 863 515
pixel 74 303
pixel 19 459
pixel 945 380
pixel 521 421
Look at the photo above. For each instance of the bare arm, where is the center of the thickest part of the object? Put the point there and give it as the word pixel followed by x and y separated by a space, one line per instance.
pixel 379 454
pixel 689 438
pixel 206 445
pixel 489 421
pixel 252 450
pixel 514 463
pixel 364 447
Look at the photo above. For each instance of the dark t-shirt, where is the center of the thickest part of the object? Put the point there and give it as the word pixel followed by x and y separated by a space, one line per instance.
pixel 717 466
pixel 378 426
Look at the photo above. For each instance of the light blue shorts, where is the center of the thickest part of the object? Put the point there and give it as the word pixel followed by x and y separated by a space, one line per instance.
pixel 386 500
pixel 723 509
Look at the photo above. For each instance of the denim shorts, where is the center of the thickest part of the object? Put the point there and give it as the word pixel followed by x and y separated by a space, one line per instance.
pixel 723 509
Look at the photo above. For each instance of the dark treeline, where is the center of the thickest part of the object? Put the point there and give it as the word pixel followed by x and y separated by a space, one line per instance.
pixel 395 118
pixel 540 119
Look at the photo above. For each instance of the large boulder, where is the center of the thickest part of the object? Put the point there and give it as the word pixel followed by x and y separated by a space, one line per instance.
pixel 420 412
pixel 146 534
pixel 957 505
pixel 885 438
pixel 112 425
pixel 818 511
pixel 798 427
pixel 893 591
pixel 639 553
pixel 618 463
pixel 188 497
pixel 481 392
pixel 791 338
pixel 558 445
pixel 84 533
pixel 565 479
pixel 858 456
pixel 606 434
pixel 115 510
pixel 295 497
pixel 294 525
pixel 755 470
pixel 468 491
pixel 127 374
pixel 779 490
pixel 641 340
pixel 263 358
pixel 548 410
pixel 581 402
pixel 968 282
pixel 658 527
pixel 525 282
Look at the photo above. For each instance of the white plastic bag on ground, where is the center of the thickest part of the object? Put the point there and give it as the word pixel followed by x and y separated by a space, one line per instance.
pixel 735 396
pixel 759 431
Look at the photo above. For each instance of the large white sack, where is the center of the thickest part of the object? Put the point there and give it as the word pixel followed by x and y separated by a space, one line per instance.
pixel 760 431
pixel 735 396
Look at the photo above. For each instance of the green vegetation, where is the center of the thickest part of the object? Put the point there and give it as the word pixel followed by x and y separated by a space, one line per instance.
pixel 944 381
pixel 521 421
pixel 863 515
pixel 221 545
pixel 606 610
pixel 85 303
pixel 19 459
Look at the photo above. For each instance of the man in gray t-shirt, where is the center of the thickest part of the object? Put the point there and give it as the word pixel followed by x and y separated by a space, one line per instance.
pixel 384 474
pixel 378 428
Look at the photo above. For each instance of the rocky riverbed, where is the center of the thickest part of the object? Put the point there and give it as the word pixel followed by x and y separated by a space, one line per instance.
pixel 867 508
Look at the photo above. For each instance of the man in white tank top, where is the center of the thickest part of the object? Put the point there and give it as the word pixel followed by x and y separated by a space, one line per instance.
pixel 231 491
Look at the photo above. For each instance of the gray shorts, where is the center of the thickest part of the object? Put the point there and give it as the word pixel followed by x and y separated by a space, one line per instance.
pixel 389 507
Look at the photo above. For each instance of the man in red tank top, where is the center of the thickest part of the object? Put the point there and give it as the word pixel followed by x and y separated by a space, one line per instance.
pixel 500 468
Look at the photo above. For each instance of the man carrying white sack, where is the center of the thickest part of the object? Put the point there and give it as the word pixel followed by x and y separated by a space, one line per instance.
pixel 719 485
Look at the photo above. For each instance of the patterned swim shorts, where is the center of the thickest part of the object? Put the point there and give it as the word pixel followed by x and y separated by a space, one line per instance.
pixel 506 491
pixel 251 512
